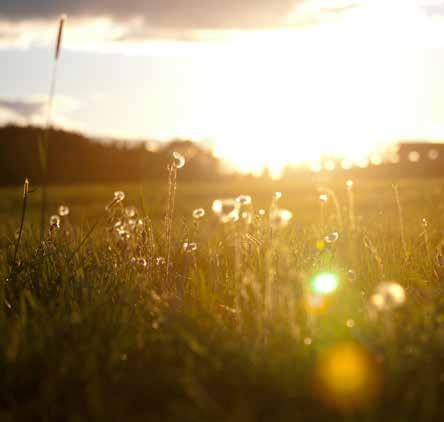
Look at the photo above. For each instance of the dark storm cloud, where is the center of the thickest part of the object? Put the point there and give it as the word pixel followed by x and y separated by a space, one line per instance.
pixel 174 14
pixel 23 108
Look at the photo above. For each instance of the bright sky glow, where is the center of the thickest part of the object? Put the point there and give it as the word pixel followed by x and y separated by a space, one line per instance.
pixel 345 78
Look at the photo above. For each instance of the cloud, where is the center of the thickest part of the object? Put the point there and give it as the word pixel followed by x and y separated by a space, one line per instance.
pixel 33 110
pixel 26 108
pixel 173 14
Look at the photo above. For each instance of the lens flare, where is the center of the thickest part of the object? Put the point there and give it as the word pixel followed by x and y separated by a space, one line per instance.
pixel 346 377
pixel 325 283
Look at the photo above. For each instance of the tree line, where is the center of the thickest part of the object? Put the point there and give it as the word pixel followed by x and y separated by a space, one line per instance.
pixel 75 158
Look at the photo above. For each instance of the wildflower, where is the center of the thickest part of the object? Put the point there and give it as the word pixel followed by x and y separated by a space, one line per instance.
pixel 388 295
pixel 179 160
pixel 332 237
pixel 280 217
pixel 189 247
pixel 198 213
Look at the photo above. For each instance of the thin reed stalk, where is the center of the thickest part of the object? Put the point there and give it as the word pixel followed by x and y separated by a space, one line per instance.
pixel 43 142
pixel 172 184
pixel 351 206
pixel 25 201
pixel 401 220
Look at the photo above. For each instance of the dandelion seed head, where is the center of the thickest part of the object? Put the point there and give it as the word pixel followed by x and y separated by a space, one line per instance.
pixel 323 197
pixel 424 222
pixel 351 275
pixel 332 237
pixel 139 262
pixel 350 323
pixel 130 211
pixel 308 341
pixel 119 195
pixel 349 184
pixel 160 261
pixel 261 212
pixel 277 196
pixel 123 234
pixel 198 213
pixel 63 210
pixel 388 295
pixel 54 221
pixel 247 217
pixel 280 217
pixel 189 247
pixel 179 160
pixel 244 200
pixel 226 209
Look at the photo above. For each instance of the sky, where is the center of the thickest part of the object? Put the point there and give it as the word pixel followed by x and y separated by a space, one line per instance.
pixel 265 83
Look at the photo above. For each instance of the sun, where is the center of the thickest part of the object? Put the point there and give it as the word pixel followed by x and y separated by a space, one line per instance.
pixel 290 96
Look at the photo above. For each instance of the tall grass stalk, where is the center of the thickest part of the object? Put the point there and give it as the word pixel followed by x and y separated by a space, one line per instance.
pixel 172 184
pixel 25 201
pixel 43 142
pixel 401 220
pixel 351 207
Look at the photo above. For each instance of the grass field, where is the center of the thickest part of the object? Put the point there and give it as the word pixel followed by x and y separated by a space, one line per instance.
pixel 94 327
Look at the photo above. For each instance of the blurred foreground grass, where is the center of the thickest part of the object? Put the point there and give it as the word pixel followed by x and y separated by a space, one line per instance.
pixel 236 332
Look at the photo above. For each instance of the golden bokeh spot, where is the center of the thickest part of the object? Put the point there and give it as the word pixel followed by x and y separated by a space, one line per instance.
pixel 346 378
pixel 320 245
